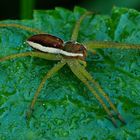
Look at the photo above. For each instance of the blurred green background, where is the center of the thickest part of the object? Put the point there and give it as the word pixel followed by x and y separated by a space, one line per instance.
pixel 22 9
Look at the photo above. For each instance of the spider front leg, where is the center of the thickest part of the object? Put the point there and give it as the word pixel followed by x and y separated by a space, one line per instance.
pixel 98 87
pixel 77 26
pixel 91 45
pixel 50 73
pixel 77 71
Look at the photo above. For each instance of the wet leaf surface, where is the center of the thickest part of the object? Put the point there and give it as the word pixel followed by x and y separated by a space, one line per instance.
pixel 65 108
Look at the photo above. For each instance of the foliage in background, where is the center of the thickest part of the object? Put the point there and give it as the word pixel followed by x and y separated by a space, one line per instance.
pixel 26 8
pixel 105 7
pixel 65 108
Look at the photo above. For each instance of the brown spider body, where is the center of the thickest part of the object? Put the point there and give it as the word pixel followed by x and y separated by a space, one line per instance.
pixel 47 40
pixel 75 47
pixel 52 44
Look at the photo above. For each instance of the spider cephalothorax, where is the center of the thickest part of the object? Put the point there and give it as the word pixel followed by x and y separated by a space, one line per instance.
pixel 76 48
pixel 52 44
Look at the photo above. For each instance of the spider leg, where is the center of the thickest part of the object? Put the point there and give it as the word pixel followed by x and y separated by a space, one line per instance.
pixel 50 73
pixel 21 27
pixel 80 75
pixel 91 45
pixel 90 78
pixel 77 26
pixel 33 54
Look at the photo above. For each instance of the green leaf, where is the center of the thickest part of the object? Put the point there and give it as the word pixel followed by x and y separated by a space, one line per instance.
pixel 66 109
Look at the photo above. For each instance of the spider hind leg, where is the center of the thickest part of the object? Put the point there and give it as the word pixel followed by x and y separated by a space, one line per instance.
pixel 26 28
pixel 32 54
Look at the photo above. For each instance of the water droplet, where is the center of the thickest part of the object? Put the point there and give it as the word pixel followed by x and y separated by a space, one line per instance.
pixel 109 28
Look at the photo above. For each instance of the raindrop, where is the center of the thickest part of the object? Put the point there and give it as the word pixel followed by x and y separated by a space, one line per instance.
pixel 109 28
pixel 43 104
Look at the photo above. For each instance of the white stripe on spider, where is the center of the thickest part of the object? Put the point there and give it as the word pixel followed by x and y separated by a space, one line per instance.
pixel 52 50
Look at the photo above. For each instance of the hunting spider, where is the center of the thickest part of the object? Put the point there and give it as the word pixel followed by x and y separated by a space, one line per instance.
pixel 73 54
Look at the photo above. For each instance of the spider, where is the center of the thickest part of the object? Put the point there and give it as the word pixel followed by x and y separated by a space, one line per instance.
pixel 69 53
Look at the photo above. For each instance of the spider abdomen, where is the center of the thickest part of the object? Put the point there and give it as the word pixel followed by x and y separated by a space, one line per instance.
pixel 47 40
pixel 52 44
